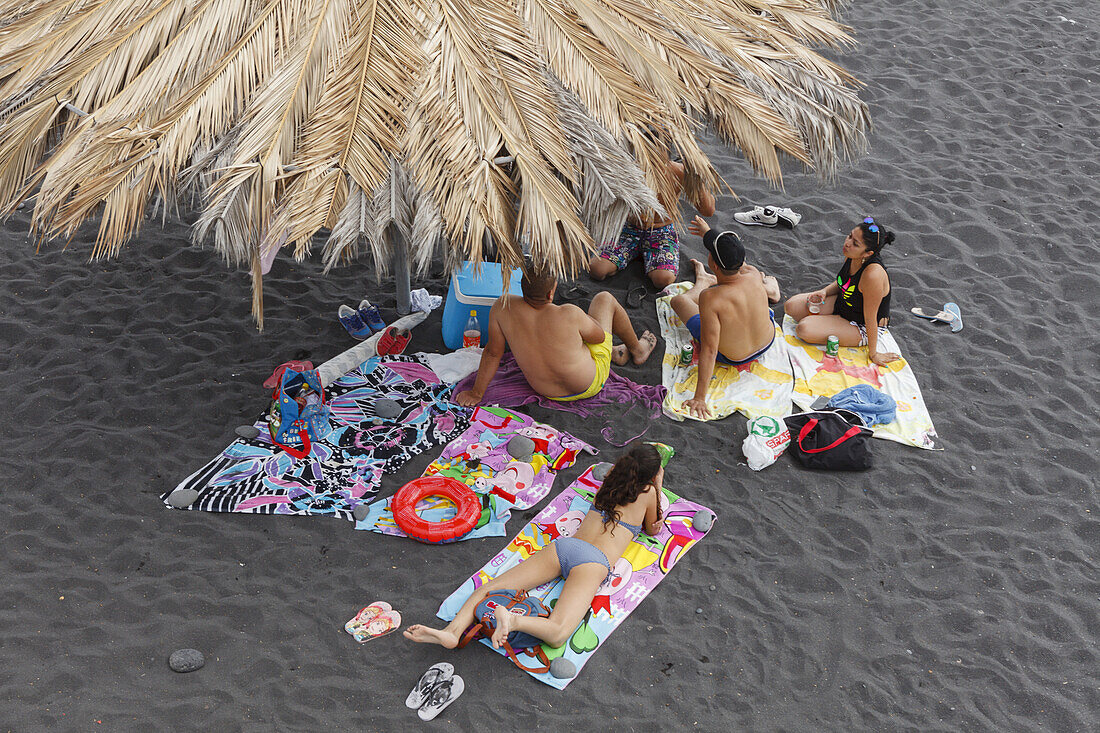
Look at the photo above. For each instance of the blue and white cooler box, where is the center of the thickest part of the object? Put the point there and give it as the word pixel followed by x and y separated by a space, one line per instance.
pixel 474 293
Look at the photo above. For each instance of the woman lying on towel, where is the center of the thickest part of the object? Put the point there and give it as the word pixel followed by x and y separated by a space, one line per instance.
pixel 627 502
pixel 860 296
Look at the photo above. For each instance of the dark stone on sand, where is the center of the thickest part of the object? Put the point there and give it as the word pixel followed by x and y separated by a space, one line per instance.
pixel 387 408
pixel 182 498
pixel 563 668
pixel 600 470
pixel 703 520
pixel 248 432
pixel 186 660
pixel 360 512
pixel 521 447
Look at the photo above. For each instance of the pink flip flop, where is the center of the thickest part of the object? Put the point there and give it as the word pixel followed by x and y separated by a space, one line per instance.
pixel 375 620
pixel 297 364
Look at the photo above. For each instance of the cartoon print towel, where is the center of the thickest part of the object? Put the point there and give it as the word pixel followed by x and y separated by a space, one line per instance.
pixel 642 567
pixel 510 452
pixel 343 470
pixel 819 375
pixel 504 474
pixel 763 387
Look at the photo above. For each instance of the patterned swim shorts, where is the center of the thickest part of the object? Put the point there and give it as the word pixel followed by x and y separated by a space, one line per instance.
pixel 863 332
pixel 659 248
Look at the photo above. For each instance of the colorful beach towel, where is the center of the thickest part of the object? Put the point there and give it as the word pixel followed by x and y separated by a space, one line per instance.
pixel 343 470
pixel 495 513
pixel 763 387
pixel 509 388
pixel 818 375
pixel 644 564
pixel 480 459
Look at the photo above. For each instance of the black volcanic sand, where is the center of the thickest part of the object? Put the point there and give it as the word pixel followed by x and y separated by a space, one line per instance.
pixel 941 591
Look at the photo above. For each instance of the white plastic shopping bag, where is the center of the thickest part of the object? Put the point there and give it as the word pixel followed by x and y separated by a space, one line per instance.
pixel 766 441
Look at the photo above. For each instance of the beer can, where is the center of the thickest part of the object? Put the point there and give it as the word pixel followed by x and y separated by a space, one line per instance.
pixel 832 346
pixel 687 353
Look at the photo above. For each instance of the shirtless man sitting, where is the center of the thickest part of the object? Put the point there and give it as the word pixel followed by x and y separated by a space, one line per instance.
pixel 727 313
pixel 564 353
pixel 654 239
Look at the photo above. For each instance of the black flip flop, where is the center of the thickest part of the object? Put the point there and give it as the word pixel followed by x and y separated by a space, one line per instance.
pixel 571 293
pixel 636 296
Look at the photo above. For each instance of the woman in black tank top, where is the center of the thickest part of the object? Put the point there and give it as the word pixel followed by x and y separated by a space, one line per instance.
pixel 857 303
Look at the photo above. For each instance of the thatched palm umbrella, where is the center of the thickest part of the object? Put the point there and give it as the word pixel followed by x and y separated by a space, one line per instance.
pixel 544 122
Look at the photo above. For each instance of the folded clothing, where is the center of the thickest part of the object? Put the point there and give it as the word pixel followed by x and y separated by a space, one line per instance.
pixel 871 405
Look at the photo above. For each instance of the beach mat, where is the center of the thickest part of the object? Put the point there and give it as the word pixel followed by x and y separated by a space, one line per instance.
pixel 644 564
pixel 818 375
pixel 480 459
pixel 763 387
pixel 343 470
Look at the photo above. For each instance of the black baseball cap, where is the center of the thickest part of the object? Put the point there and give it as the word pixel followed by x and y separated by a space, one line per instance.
pixel 726 249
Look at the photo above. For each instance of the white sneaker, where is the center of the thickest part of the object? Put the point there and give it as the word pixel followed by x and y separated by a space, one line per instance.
pixel 768 216
pixel 759 216
pixel 789 216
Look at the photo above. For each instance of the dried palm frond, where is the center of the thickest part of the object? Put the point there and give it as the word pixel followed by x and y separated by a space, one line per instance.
pixel 531 127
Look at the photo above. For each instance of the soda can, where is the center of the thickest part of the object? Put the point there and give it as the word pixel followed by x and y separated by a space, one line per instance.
pixel 687 353
pixel 832 346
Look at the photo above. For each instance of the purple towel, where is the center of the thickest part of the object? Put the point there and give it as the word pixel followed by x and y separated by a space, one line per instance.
pixel 509 388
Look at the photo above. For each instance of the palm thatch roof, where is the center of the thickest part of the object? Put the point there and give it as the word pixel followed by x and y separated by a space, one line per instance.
pixel 543 123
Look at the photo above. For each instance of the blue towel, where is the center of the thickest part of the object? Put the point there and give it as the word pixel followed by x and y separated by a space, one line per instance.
pixel 872 406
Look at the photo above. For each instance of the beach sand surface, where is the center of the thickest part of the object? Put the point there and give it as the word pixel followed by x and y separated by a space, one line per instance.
pixel 940 591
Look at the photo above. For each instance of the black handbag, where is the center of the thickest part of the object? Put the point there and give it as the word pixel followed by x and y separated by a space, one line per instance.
pixel 830 440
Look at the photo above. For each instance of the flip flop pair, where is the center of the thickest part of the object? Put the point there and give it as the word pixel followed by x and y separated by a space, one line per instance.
pixel 373 621
pixel 435 690
pixel 951 314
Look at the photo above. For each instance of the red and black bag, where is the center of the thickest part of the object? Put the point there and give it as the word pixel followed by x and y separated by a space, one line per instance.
pixel 517 602
pixel 830 440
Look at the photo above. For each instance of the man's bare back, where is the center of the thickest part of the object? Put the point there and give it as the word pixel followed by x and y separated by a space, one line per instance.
pixel 556 346
pixel 548 343
pixel 727 312
pixel 741 306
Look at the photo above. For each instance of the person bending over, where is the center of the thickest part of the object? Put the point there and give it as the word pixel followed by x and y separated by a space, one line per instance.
pixel 627 501
pixel 860 295
pixel 727 313
pixel 564 353
pixel 652 238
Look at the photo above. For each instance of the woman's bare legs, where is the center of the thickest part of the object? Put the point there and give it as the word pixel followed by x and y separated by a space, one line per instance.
pixel 540 568
pixel 817 330
pixel 574 601
pixel 797 306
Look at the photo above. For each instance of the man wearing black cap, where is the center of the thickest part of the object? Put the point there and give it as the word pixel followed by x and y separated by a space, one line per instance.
pixel 727 313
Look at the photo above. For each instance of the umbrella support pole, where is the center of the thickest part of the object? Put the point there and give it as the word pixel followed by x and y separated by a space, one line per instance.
pixel 400 269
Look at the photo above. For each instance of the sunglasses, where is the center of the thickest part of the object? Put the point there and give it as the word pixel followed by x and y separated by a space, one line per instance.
pixel 873 226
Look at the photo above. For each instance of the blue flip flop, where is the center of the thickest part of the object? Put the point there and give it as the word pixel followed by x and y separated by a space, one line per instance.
pixel 957 322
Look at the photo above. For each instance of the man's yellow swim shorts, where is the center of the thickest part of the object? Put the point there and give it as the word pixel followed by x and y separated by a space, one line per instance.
pixel 601 354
